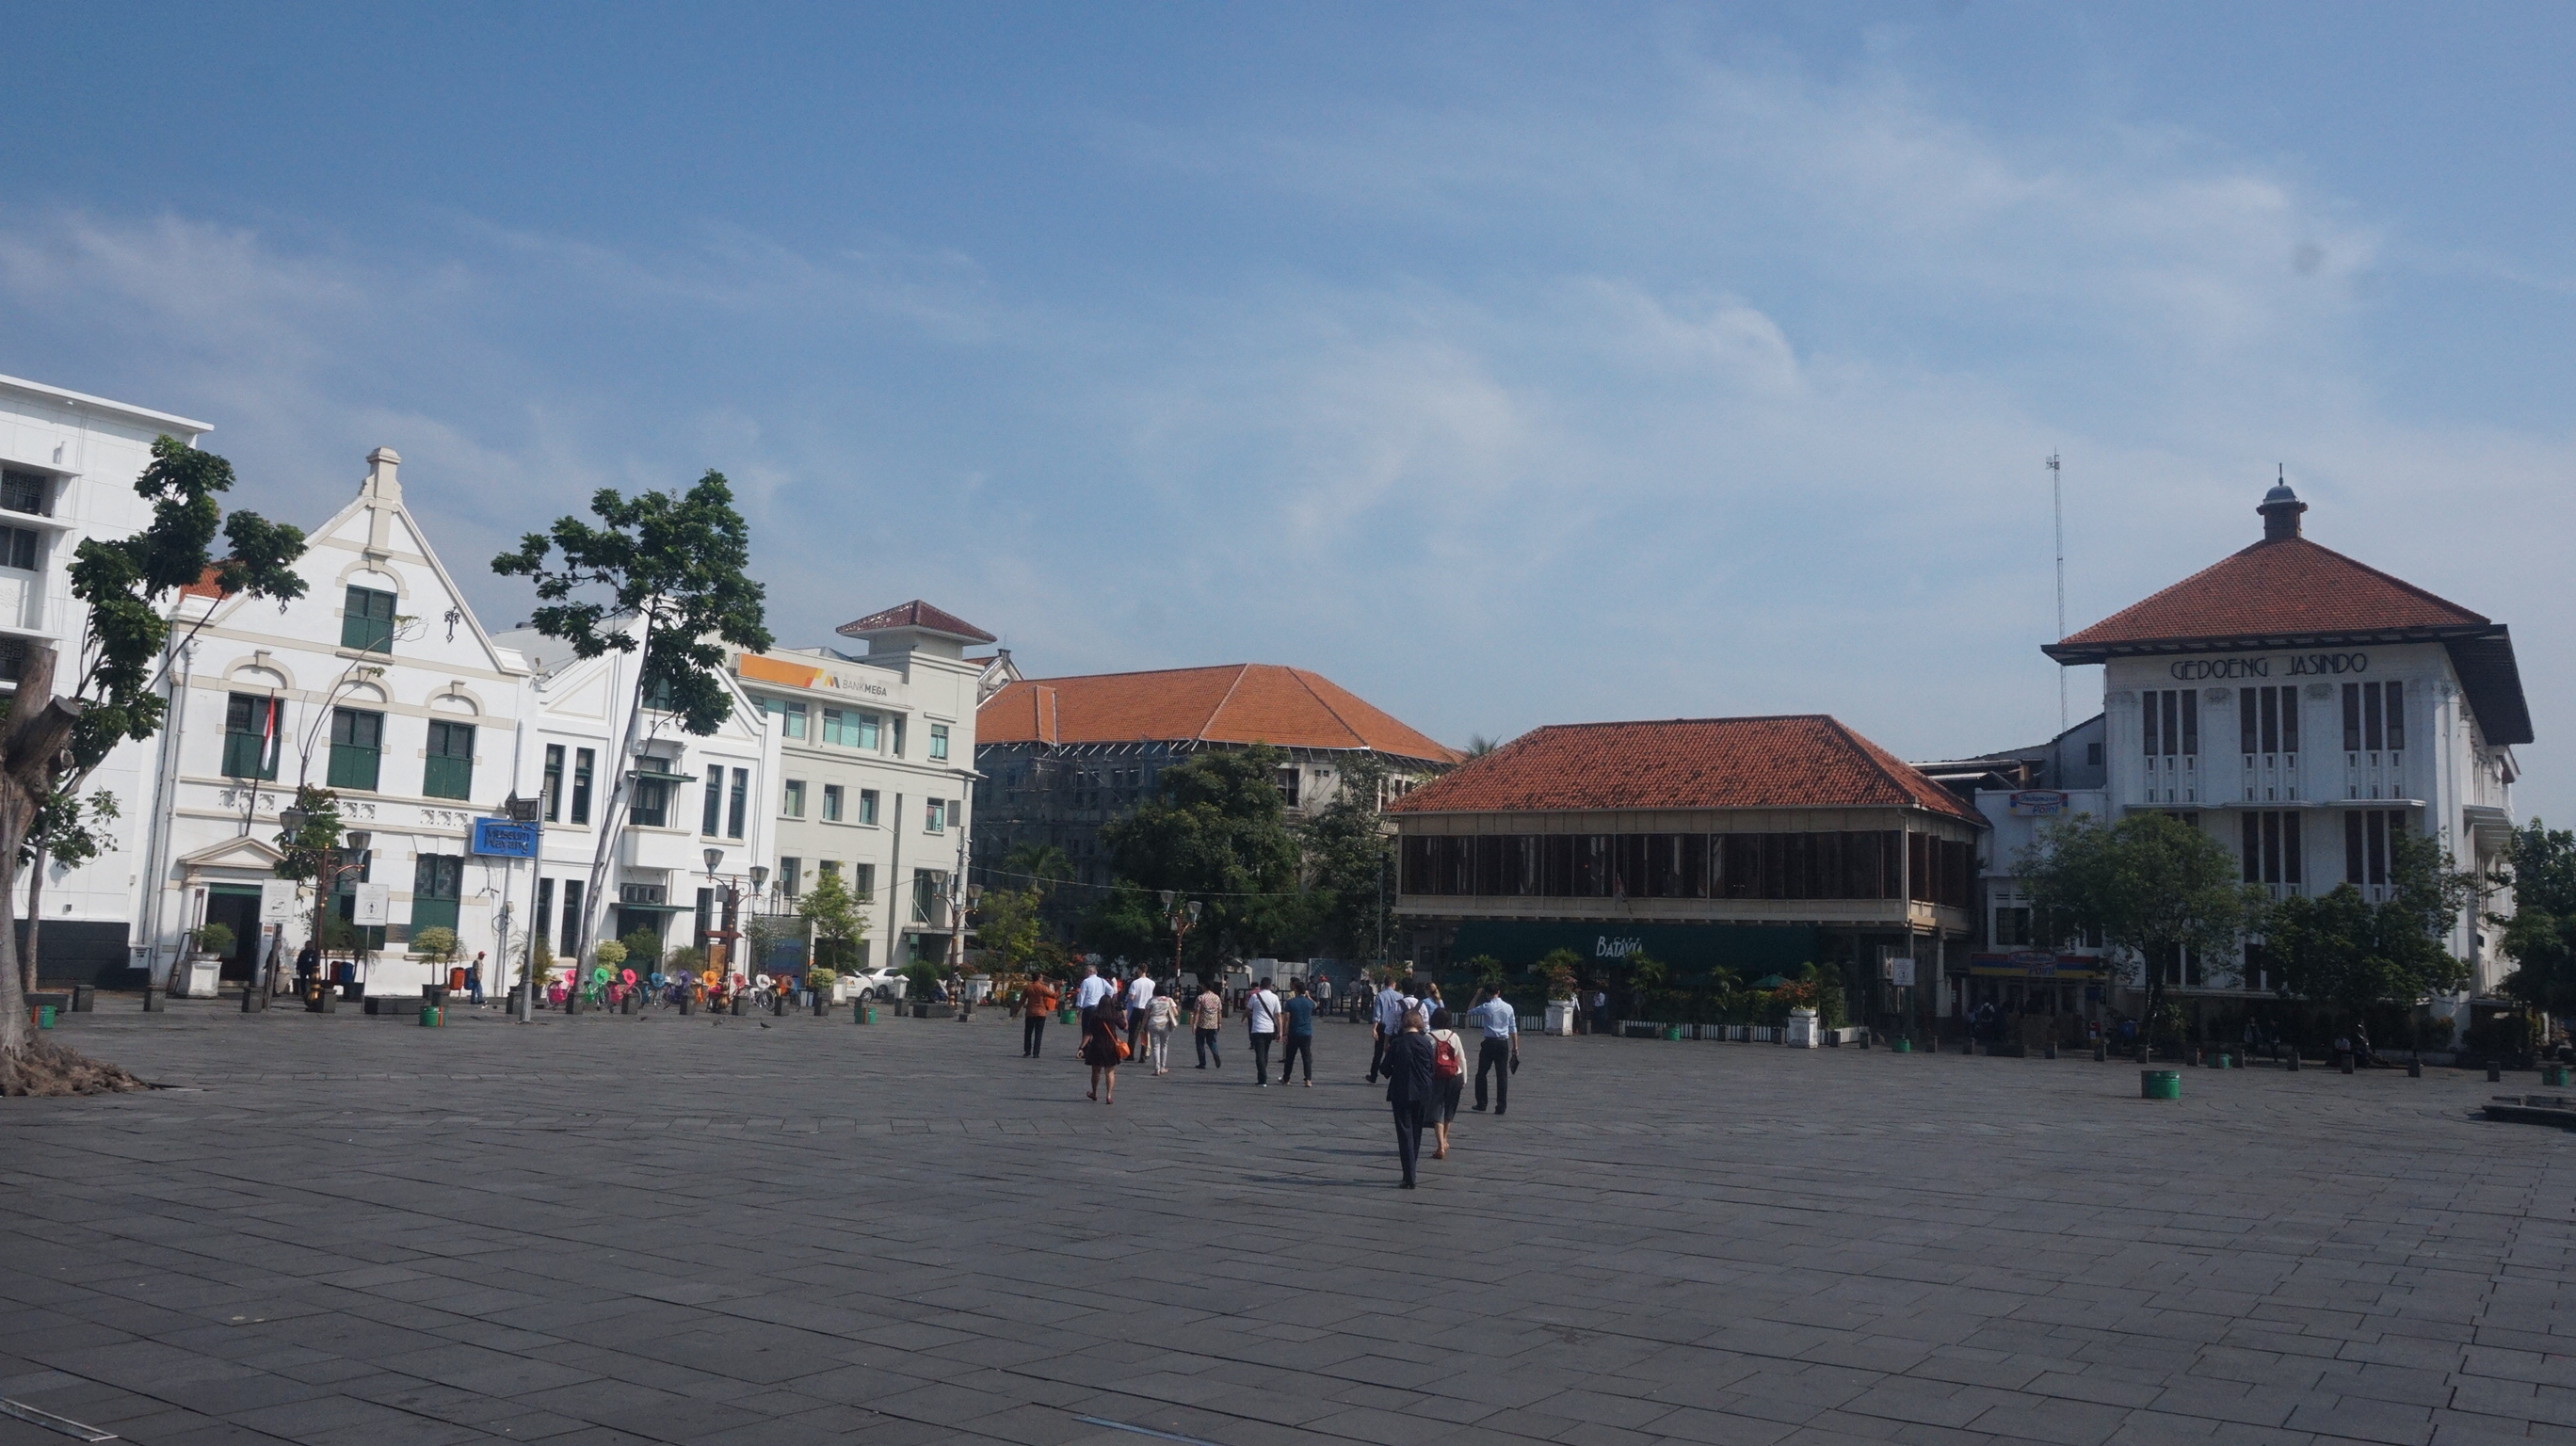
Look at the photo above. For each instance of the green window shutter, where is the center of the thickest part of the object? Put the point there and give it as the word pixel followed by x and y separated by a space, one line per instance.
pixel 436 885
pixel 367 620
pixel 448 772
pixel 357 748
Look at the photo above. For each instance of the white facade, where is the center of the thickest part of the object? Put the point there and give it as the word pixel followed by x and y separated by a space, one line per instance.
pixel 686 796
pixel 383 687
pixel 875 780
pixel 68 464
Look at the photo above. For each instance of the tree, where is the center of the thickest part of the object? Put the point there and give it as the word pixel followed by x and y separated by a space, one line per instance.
pixel 2149 887
pixel 1350 865
pixel 2343 950
pixel 664 575
pixel 1216 831
pixel 69 830
pixel 128 587
pixel 1126 922
pixel 1041 866
pixel 1478 745
pixel 1006 924
pixel 2539 936
pixel 838 918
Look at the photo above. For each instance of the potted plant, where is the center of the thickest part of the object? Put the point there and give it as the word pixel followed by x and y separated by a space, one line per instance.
pixel 1556 976
pixel 205 963
pixel 438 944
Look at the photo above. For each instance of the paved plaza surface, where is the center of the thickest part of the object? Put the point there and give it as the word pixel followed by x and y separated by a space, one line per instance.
pixel 606 1229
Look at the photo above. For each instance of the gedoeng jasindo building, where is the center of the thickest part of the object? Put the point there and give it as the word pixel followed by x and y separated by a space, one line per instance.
pixel 2303 707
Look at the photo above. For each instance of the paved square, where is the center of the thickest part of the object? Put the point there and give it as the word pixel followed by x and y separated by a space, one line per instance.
pixel 610 1229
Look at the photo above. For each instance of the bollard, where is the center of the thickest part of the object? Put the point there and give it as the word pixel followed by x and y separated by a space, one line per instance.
pixel 151 998
pixel 254 998
pixel 2495 1072
pixel 821 1004
pixel 2049 1051
pixel 2343 1061
pixel 689 1000
pixel 634 1001
pixel 858 1011
pixel 741 1004
pixel 2101 1052
pixel 2160 1084
pixel 2414 1066
pixel 84 998
pixel 2294 1061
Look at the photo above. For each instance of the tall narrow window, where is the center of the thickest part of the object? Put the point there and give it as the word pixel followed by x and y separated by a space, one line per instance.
pixel 863 881
pixel 572 918
pixel 545 909
pixel 2396 710
pixel 357 748
pixel 2271 847
pixel 791 876
pixel 934 815
pixel 2371 722
pixel 652 805
pixel 21 548
pixel 253 735
pixel 367 620
pixel 791 799
pixel 738 803
pixel 832 796
pixel 898 735
pixel 2169 722
pixel 706 915
pixel 554 784
pixel 867 805
pixel 448 772
pixel 790 715
pixel 938 740
pixel 711 814
pixel 437 885
pixel 583 760
pixel 2365 844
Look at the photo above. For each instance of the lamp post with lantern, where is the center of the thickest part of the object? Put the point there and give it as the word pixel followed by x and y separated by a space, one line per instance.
pixel 1182 915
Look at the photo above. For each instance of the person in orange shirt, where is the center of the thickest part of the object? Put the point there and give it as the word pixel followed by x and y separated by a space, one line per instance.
pixel 1037 1001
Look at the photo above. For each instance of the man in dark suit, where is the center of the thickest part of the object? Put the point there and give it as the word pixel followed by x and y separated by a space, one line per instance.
pixel 1411 1083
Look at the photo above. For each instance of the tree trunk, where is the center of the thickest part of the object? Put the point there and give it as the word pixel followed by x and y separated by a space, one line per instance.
pixel 13 994
pixel 609 819
pixel 35 918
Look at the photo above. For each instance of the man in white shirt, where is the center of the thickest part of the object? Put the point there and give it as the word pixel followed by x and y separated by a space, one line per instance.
pixel 1501 1050
pixel 1391 1005
pixel 1140 997
pixel 1089 993
pixel 1261 1016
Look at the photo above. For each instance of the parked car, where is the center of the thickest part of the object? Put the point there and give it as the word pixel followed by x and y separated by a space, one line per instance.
pixel 882 985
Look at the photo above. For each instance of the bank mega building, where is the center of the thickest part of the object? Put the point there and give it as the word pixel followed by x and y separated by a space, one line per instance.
pixel 2302 708
pixel 1753 845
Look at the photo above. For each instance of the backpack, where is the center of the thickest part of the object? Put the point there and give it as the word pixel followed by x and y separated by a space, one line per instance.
pixel 1446 1061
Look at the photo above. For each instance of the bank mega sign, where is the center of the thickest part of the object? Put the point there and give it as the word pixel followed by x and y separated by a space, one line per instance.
pixel 1750 949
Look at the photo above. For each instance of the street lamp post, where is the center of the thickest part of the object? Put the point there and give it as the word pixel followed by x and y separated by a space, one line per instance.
pixel 1182 917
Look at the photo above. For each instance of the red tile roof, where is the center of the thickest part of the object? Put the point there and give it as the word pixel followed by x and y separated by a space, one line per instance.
pixel 916 614
pixel 1806 760
pixel 205 585
pixel 2273 592
pixel 1235 703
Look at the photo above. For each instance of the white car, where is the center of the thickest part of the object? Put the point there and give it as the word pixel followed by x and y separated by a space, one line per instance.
pixel 871 984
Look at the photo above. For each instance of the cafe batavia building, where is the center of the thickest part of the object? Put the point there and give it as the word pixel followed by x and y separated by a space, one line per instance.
pixel 1750 844
pixel 2303 708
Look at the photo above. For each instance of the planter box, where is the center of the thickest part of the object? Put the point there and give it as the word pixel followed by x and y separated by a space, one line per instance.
pixel 1560 1016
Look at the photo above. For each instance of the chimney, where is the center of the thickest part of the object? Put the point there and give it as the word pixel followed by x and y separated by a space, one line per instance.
pixel 381 485
pixel 2281 508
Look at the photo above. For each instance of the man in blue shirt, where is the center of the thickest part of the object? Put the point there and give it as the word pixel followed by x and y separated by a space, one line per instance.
pixel 1391 1005
pixel 1300 1035
pixel 1501 1050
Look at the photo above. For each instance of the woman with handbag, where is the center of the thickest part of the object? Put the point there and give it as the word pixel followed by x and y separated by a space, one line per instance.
pixel 1102 1047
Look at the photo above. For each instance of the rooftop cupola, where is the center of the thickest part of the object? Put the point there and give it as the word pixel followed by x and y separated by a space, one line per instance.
pixel 2281 508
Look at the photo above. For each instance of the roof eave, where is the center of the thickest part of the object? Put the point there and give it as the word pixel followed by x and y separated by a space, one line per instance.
pixel 2071 653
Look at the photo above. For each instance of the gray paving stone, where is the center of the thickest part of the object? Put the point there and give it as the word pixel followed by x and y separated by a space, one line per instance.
pixel 908 1234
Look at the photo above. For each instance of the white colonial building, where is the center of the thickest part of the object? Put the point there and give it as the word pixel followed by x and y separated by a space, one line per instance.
pixel 876 770
pixel 2303 707
pixel 68 465
pixel 378 683
pixel 694 825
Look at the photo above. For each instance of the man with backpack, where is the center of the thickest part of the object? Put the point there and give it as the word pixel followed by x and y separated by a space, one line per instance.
pixel 1501 1051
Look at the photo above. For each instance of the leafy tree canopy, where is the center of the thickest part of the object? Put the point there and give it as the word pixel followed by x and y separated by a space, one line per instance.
pixel 1006 926
pixel 2342 949
pixel 2540 935
pixel 1216 831
pixel 2147 887
pixel 1350 865
pixel 682 564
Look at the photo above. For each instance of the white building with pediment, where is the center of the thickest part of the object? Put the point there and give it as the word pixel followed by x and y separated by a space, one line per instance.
pixel 378 683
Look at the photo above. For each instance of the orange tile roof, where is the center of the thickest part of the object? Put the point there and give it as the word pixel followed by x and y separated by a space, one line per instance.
pixel 205 585
pixel 2273 591
pixel 1806 760
pixel 916 614
pixel 1234 703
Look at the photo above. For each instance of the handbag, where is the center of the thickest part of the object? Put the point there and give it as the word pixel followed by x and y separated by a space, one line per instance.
pixel 1122 1047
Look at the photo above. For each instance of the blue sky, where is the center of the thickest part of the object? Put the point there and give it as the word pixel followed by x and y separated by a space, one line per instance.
pixel 1506 364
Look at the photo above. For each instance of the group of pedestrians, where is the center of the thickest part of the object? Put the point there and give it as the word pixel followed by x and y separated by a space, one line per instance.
pixel 1425 1065
pixel 1415 1043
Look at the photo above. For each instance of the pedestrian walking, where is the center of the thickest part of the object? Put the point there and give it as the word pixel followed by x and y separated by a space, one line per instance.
pixel 1298 1040
pixel 1448 1078
pixel 1140 1001
pixel 1391 1005
pixel 1323 992
pixel 1037 1001
pixel 1207 1016
pixel 1089 992
pixel 1162 1014
pixel 1410 1088
pixel 1102 1048
pixel 474 980
pixel 1261 1020
pixel 1500 1052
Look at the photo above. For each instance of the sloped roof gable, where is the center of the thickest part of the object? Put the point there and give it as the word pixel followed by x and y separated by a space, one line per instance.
pixel 1235 703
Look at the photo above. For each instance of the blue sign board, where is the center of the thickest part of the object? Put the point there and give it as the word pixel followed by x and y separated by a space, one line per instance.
pixel 504 839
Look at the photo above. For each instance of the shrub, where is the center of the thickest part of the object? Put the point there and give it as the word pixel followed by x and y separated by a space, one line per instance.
pixel 687 959
pixel 643 948
pixel 215 939
pixel 608 954
pixel 437 941
pixel 821 980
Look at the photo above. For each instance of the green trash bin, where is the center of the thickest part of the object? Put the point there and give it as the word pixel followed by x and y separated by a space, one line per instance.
pixel 1067 1015
pixel 2554 1076
pixel 44 1016
pixel 858 1011
pixel 2160 1084
pixel 1672 1031
pixel 429 1016
pixel 1904 1045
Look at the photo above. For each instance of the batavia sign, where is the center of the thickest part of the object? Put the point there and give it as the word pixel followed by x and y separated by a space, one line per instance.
pixel 2300 665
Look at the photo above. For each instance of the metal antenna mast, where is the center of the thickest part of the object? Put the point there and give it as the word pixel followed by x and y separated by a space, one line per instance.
pixel 2057 505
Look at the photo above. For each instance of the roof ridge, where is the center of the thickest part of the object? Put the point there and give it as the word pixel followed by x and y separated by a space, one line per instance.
pixel 1210 721
pixel 1305 682
pixel 2401 584
pixel 1910 781
pixel 2390 578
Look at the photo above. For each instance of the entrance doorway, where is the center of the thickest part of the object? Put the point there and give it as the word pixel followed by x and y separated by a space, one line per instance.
pixel 236 907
